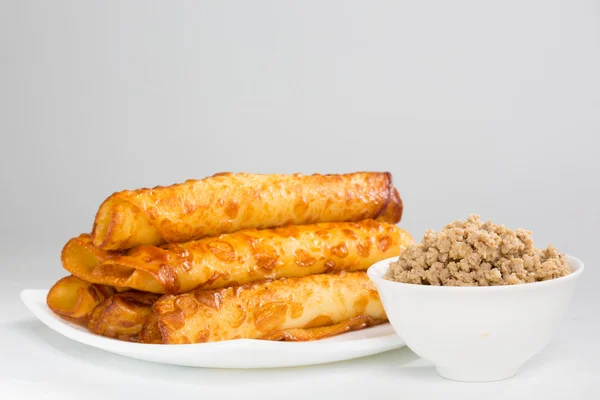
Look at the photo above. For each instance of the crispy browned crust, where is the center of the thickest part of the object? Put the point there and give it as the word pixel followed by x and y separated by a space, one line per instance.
pixel 237 258
pixel 306 308
pixel 122 315
pixel 230 202
pixel 74 298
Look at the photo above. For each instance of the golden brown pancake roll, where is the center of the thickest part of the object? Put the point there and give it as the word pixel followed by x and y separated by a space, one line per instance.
pixel 122 315
pixel 237 258
pixel 75 298
pixel 283 309
pixel 229 202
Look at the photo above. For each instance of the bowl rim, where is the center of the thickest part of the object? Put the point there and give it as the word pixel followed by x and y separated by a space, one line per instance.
pixel 376 272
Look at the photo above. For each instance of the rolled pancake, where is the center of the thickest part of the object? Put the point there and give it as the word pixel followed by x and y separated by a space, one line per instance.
pixel 75 298
pixel 122 316
pixel 229 202
pixel 237 258
pixel 272 310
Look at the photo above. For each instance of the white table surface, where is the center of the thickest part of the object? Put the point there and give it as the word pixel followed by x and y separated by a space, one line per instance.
pixel 36 362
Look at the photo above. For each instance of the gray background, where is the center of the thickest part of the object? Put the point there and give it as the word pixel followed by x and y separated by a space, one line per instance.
pixel 486 107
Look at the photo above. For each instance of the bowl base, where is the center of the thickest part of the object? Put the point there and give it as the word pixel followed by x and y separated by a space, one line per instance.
pixel 477 374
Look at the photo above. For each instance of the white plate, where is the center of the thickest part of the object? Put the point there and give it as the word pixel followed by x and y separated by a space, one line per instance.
pixel 242 353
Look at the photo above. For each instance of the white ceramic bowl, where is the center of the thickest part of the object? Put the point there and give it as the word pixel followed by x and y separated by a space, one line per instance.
pixel 476 333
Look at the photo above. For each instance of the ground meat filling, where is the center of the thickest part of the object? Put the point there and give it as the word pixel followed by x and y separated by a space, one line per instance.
pixel 474 253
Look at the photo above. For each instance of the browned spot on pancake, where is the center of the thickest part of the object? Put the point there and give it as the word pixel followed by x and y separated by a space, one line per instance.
pixel 231 209
pixel 225 226
pixel 120 273
pixel 165 254
pixel 270 316
pixel 287 231
pixel 234 315
pixel 151 331
pixel 303 259
pixel 300 208
pixel 340 250
pixel 222 250
pixel 212 300
pixel 296 309
pixel 329 265
pixel 202 336
pixel 307 292
pixel 214 275
pixel 174 254
pixel 266 256
pixel 168 278
pixel 323 234
pixel 266 260
pixel 187 304
pixel 126 324
pixel 384 242
pixel 165 304
pixel 173 319
pixel 252 241
pixel 152 254
pixel 321 320
pixel 360 305
pixel 364 248
pixel 349 233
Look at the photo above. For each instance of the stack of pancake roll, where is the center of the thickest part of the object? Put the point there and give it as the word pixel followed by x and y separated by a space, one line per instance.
pixel 231 256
